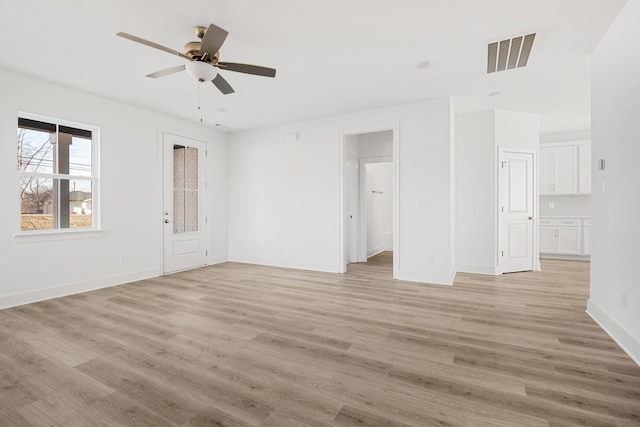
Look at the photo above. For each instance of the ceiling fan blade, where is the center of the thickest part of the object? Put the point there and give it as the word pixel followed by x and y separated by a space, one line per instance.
pixel 213 39
pixel 247 69
pixel 222 85
pixel 151 44
pixel 166 72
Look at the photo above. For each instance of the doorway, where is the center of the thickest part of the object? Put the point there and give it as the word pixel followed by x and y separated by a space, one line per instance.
pixel 517 241
pixel 184 216
pixel 369 207
pixel 376 207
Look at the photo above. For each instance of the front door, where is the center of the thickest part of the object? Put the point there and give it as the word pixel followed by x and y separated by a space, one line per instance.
pixel 516 210
pixel 184 236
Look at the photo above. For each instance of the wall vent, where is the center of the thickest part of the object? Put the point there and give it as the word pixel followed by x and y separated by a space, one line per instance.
pixel 510 53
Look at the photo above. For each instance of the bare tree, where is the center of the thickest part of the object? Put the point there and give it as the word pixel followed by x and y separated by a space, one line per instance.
pixel 35 153
pixel 36 195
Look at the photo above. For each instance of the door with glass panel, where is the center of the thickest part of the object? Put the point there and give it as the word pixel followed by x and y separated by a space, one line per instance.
pixel 184 220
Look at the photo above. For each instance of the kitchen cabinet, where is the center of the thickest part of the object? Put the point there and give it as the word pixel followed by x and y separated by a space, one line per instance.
pixel 561 236
pixel 547 239
pixel 586 237
pixel 584 169
pixel 565 168
pixel 559 170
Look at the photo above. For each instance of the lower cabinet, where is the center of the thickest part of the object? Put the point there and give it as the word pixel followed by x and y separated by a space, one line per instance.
pixel 561 237
pixel 586 237
pixel 548 243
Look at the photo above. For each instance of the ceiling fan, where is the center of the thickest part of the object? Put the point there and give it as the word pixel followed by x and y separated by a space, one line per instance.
pixel 203 56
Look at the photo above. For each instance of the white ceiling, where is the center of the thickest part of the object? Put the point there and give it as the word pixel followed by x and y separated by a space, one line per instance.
pixel 332 56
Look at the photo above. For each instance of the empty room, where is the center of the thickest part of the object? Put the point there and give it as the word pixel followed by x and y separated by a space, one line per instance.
pixel 282 213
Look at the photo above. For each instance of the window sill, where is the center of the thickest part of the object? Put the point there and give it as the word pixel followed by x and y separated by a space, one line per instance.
pixel 56 235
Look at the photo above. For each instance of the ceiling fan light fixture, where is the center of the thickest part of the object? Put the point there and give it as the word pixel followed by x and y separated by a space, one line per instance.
pixel 201 71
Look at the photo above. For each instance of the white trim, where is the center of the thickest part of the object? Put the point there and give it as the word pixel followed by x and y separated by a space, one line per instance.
pixel 396 199
pixel 218 259
pixel 624 339
pixel 57 234
pixel 566 257
pixel 284 263
pixel 341 205
pixel 75 288
pixel 490 270
pixel 427 279
pixel 565 143
pixel 375 251
pixel 394 127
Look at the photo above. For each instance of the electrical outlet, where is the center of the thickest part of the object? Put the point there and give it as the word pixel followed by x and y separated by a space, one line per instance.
pixel 430 257
pixel 552 206
pixel 124 259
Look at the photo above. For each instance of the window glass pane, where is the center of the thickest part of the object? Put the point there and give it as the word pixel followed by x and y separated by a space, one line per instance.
pixel 80 203
pixel 80 157
pixel 191 169
pixel 178 211
pixel 178 167
pixel 191 211
pixel 36 151
pixel 37 203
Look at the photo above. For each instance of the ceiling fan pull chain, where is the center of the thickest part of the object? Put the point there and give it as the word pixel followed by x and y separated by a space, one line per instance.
pixel 200 99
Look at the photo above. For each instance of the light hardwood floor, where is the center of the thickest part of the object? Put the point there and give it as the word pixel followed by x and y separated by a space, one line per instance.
pixel 236 345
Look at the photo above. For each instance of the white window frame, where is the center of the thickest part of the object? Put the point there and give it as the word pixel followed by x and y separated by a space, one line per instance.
pixel 27 236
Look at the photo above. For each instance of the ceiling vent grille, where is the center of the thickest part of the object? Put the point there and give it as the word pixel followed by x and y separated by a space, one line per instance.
pixel 510 53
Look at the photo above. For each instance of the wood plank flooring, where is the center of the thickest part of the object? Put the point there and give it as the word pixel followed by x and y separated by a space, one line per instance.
pixel 245 345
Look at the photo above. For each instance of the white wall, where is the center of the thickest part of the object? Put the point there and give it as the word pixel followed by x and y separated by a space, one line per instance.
pixel 615 288
pixel 379 195
pixel 517 130
pixel 284 200
pixel 375 144
pixel 574 135
pixel 131 179
pixel 478 138
pixel 476 193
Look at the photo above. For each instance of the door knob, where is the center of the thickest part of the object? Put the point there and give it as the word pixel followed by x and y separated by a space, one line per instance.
pixel 530 218
pixel 166 221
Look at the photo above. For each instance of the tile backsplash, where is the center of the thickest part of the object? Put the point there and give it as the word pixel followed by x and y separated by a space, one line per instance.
pixel 574 205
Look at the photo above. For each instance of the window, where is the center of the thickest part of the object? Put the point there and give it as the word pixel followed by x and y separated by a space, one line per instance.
pixel 58 175
pixel 185 189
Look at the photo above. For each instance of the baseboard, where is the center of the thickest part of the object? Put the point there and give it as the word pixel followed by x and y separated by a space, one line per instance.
pixel 566 257
pixel 74 288
pixel 426 278
pixel 488 270
pixel 625 340
pixel 375 251
pixel 296 265
pixel 218 259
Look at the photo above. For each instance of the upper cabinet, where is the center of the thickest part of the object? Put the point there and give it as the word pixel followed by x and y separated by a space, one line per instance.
pixel 584 168
pixel 565 168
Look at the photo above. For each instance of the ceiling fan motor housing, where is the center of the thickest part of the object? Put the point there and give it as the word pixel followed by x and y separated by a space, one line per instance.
pixel 192 49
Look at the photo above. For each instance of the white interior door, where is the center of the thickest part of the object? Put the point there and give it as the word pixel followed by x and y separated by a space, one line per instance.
pixel 184 235
pixel 516 211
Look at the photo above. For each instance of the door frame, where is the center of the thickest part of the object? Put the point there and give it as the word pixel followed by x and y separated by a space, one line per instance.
pixel 394 127
pixel 352 237
pixel 535 262
pixel 206 201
